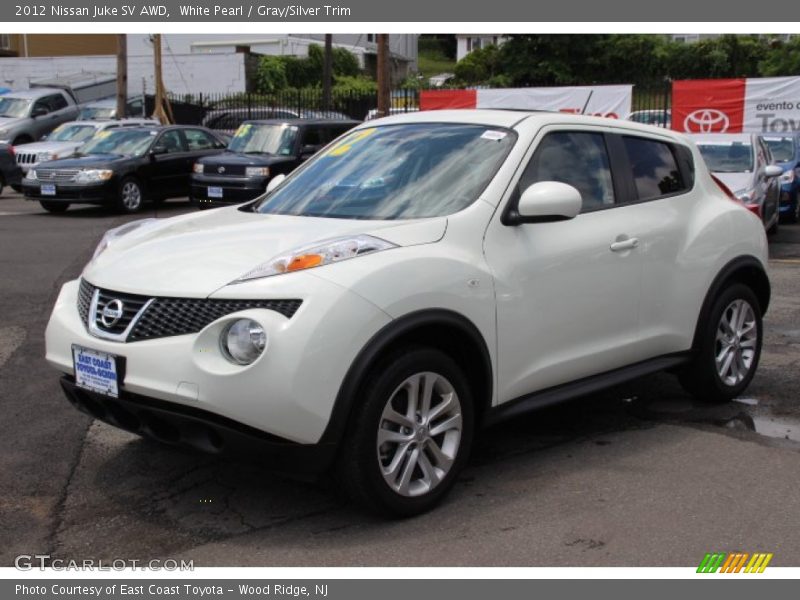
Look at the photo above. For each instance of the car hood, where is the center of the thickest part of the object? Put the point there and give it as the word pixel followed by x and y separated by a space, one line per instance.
pixel 84 162
pixel 244 160
pixel 37 147
pixel 11 120
pixel 736 181
pixel 194 255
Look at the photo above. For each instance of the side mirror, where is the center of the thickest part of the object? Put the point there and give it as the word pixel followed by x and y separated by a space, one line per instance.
pixel 308 150
pixel 39 111
pixel 546 201
pixel 773 171
pixel 158 149
pixel 275 182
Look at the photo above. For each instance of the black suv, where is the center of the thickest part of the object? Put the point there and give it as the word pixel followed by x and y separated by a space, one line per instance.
pixel 258 151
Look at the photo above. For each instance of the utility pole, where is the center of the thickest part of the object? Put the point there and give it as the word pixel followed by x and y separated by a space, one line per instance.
pixel 384 78
pixel 122 75
pixel 162 111
pixel 327 73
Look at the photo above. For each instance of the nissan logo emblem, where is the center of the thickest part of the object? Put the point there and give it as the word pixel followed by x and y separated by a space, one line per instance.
pixel 112 313
pixel 706 120
pixel 221 170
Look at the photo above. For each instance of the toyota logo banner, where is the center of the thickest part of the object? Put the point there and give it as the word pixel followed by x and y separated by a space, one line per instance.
pixel 612 101
pixel 758 105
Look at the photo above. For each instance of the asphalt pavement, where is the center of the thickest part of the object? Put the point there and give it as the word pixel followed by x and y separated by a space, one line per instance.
pixel 637 476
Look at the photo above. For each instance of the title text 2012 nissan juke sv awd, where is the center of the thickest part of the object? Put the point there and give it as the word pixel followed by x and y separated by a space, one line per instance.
pixel 420 277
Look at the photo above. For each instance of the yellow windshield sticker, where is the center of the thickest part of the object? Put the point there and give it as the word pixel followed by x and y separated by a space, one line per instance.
pixel 347 143
pixel 242 131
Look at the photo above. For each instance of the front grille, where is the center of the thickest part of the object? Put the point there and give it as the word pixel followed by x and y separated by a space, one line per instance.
pixel 177 316
pixel 26 158
pixel 227 170
pixel 56 174
pixel 167 316
pixel 85 293
pixel 131 305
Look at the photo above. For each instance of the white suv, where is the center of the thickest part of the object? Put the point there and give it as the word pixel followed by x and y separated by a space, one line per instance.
pixel 423 276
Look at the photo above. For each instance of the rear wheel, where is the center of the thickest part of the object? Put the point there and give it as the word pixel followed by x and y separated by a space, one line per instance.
pixel 410 436
pixel 729 347
pixel 54 207
pixel 130 196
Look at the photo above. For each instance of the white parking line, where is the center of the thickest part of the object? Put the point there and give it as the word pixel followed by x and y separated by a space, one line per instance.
pixel 11 338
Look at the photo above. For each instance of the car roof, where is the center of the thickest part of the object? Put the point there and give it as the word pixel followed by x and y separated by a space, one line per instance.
pixel 302 122
pixel 32 93
pixel 512 118
pixel 710 138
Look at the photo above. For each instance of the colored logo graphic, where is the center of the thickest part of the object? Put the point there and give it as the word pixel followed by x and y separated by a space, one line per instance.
pixel 706 120
pixel 734 562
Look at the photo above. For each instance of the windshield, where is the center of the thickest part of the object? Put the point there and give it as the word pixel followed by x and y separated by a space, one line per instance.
pixel 395 172
pixel 97 112
pixel 14 107
pixel 120 141
pixel 782 148
pixel 72 133
pixel 727 157
pixel 252 138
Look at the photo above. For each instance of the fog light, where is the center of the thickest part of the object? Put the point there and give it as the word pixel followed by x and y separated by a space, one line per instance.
pixel 243 341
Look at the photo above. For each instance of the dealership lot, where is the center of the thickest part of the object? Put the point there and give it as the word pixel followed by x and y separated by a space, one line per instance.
pixel 637 476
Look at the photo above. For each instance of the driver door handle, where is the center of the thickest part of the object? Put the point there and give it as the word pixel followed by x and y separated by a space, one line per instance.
pixel 623 245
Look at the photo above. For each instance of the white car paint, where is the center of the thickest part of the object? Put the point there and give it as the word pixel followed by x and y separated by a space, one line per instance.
pixel 551 301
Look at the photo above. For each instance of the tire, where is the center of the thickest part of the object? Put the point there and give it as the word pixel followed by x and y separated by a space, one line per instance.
pixel 710 380
pixel 773 229
pixel 130 196
pixel 16 188
pixel 794 213
pixel 54 207
pixel 382 476
pixel 2 185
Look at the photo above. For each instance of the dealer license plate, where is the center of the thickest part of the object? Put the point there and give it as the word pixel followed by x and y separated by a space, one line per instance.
pixel 215 192
pixel 48 189
pixel 96 371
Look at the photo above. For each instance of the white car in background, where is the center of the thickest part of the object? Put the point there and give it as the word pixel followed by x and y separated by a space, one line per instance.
pixel 421 277
pixel 743 162
pixel 67 138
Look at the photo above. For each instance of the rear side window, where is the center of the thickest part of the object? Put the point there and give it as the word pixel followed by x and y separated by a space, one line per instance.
pixel 577 158
pixel 57 102
pixel 655 169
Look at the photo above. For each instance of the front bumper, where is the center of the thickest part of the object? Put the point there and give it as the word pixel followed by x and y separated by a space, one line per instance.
pixel 235 190
pixel 289 392
pixel 95 193
pixel 199 429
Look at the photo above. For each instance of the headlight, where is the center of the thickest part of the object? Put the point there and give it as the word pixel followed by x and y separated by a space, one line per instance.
pixel 90 175
pixel 746 196
pixel 31 174
pixel 44 157
pixel 198 168
pixel 243 341
pixel 256 172
pixel 787 177
pixel 322 253
pixel 118 232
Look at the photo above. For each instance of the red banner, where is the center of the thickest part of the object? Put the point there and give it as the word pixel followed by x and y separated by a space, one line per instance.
pixel 441 99
pixel 708 105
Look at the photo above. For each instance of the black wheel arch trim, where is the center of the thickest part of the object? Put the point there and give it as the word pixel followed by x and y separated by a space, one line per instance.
pixel 725 274
pixel 372 350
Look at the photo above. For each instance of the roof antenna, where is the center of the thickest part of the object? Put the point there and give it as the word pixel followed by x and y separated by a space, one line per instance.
pixel 585 106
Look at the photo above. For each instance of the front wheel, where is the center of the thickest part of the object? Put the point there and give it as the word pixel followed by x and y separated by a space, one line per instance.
pixel 729 347
pixel 411 435
pixel 130 196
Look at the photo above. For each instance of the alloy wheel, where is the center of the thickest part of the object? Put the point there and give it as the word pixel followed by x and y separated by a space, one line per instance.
pixel 419 434
pixel 735 346
pixel 131 195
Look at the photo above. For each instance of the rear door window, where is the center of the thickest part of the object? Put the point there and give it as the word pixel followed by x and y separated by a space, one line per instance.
pixel 654 168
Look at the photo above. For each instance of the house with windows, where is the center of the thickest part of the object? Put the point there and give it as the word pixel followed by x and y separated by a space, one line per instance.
pixel 467 42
